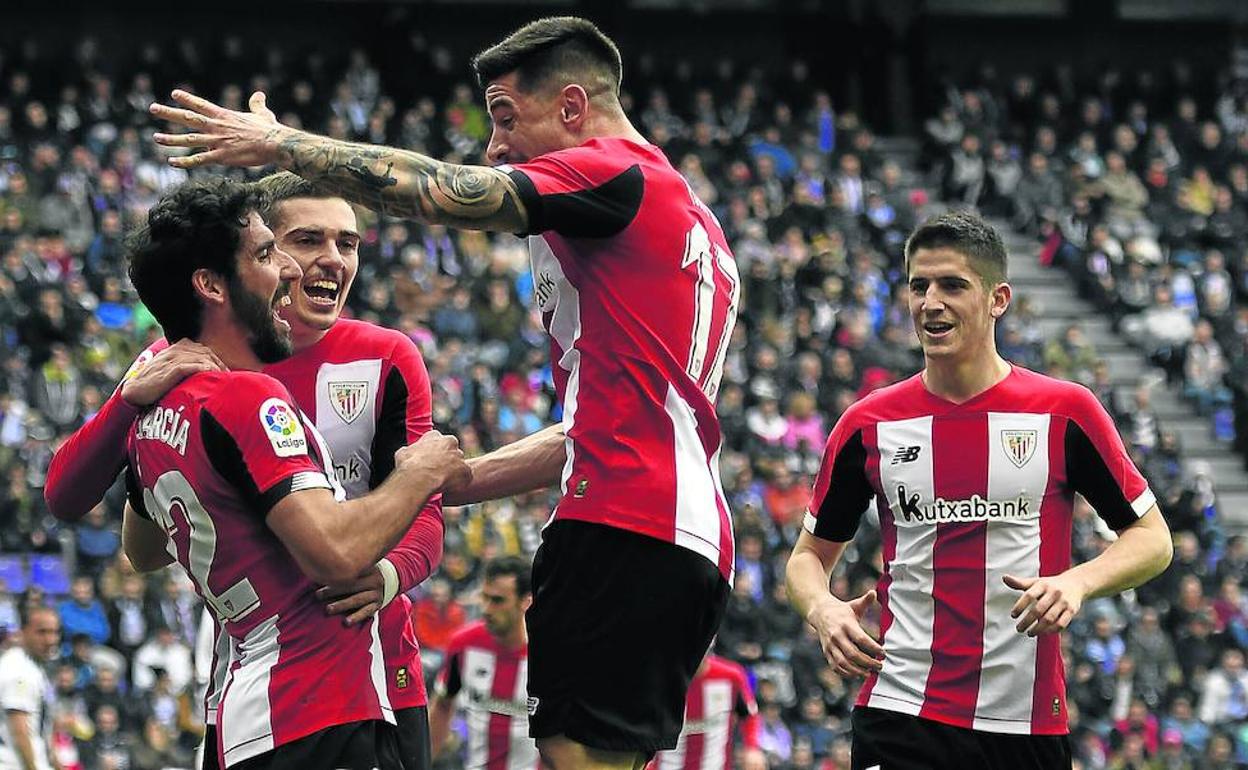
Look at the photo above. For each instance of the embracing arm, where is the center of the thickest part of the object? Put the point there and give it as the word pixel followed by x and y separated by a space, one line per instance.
pixel 534 462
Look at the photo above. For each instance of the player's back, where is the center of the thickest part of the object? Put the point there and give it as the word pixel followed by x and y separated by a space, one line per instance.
pixel 640 298
pixel 212 457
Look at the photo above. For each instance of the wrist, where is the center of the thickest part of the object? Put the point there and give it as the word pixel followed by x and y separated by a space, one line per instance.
pixel 820 605
pixel 389 581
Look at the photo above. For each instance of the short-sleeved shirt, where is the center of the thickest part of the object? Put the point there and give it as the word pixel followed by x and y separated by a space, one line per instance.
pixel 23 687
pixel 207 463
pixel 490 682
pixel 719 697
pixel 639 291
pixel 968 493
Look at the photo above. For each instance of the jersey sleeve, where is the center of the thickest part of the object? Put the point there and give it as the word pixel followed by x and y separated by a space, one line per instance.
pixel 1098 466
pixel 746 709
pixel 582 192
pixel 256 440
pixel 87 464
pixel 134 494
pixel 842 490
pixel 20 690
pixel 406 415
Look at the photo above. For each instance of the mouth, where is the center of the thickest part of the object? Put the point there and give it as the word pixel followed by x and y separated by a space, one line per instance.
pixel 937 329
pixel 281 300
pixel 322 293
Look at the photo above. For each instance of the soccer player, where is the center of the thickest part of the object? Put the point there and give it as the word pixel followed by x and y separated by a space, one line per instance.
pixel 224 456
pixel 25 693
pixel 974 464
pixel 719 699
pixel 638 291
pixel 366 390
pixel 486 671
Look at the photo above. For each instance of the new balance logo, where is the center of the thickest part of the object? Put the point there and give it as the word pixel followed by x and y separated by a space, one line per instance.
pixel 905 454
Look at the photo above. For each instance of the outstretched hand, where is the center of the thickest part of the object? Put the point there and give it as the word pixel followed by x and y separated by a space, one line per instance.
pixel 220 136
pixel 1047 605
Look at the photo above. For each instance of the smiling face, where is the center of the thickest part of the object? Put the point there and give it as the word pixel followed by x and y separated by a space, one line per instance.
pixel 260 287
pixel 321 235
pixel 953 311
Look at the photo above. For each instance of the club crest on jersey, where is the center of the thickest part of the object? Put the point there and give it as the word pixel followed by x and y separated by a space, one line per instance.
pixel 1019 445
pixel 281 424
pixel 348 399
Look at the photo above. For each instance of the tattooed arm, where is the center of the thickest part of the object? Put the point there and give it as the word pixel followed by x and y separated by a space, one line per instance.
pixel 395 182
pixel 406 184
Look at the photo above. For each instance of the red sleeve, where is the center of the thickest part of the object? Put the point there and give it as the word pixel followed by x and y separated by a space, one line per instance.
pixel 1098 466
pixel 842 490
pixel 87 464
pixel 591 191
pixel 406 415
pixel 258 441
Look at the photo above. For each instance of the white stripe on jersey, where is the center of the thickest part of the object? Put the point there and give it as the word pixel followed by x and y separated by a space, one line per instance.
pixel 377 670
pixel 1008 671
pixel 245 714
pixel 523 750
pixel 908 641
pixel 697 516
pixel 352 470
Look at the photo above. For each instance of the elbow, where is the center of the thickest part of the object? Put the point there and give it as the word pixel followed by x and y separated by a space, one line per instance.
pixel 1165 553
pixel 58 506
pixel 147 562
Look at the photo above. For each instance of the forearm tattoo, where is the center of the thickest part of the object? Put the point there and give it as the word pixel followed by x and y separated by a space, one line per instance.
pixel 406 184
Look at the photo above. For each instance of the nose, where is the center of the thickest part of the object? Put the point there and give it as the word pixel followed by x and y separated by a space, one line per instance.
pixel 496 151
pixel 289 268
pixel 331 260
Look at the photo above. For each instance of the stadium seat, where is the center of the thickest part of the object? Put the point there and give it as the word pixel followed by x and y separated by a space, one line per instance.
pixel 50 574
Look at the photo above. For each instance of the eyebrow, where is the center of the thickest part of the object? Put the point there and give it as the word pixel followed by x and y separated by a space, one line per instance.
pixel 268 244
pixel 310 230
pixel 499 101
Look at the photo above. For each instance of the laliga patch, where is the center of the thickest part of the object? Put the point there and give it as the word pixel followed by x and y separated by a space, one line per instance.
pixel 281 424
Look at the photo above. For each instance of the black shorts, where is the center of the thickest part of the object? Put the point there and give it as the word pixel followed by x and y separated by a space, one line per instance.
pixel 886 740
pixel 367 745
pixel 618 626
pixel 413 737
pixel 211 761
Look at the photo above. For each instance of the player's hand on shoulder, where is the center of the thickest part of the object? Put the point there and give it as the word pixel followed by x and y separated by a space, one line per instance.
pixel 846 644
pixel 1048 604
pixel 166 369
pixel 436 453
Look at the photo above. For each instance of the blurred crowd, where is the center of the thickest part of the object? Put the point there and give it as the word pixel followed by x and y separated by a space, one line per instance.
pixel 1140 192
pixel 816 211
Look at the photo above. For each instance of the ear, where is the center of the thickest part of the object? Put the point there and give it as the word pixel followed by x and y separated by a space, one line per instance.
pixel 210 287
pixel 1001 296
pixel 573 106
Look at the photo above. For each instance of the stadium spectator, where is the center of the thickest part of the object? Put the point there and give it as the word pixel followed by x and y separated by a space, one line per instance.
pixel 24 691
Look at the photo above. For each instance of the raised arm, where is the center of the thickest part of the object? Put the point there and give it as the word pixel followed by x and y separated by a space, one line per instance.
pixel 395 182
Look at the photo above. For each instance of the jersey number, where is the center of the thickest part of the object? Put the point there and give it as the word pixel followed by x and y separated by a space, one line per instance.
pixel 709 257
pixel 176 507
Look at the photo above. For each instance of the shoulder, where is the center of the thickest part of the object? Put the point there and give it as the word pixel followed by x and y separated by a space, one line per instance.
pixel 144 358
pixel 472 635
pixel 891 402
pixel 350 331
pixel 725 669
pixel 1061 397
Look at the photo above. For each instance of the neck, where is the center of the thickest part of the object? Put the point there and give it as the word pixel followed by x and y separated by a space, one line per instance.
pixel 303 337
pixel 517 638
pixel 610 125
pixel 962 379
pixel 230 344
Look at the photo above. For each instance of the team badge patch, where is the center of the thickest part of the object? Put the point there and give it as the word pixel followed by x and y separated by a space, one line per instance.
pixel 401 678
pixel 281 424
pixel 1020 445
pixel 348 399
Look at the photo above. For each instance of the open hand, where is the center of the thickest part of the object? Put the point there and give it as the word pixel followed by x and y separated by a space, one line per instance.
pixel 145 385
pixel 220 136
pixel 846 644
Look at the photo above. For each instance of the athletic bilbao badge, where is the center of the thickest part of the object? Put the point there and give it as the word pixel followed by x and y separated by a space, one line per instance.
pixel 1020 445
pixel 348 399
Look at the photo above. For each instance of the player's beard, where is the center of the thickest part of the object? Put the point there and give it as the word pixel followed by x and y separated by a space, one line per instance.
pixel 267 341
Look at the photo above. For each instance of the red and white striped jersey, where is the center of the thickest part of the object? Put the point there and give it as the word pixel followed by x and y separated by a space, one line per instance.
pixel 207 463
pixel 719 697
pixel 491 682
pixel 639 292
pixel 966 494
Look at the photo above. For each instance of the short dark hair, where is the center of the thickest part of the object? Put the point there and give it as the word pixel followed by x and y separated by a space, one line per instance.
pixel 197 225
pixel 968 234
pixel 541 50
pixel 513 566
pixel 283 186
